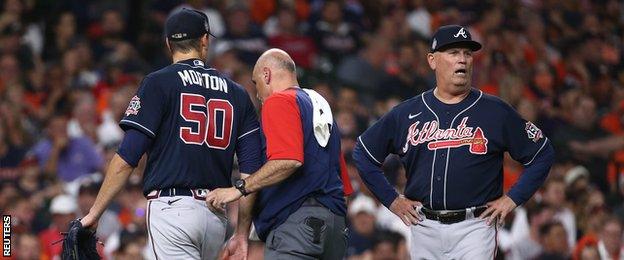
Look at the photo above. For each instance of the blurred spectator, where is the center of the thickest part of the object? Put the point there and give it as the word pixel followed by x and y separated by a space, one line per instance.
pixel 109 132
pixel 64 156
pixel 589 253
pixel 9 71
pixel 245 37
pixel 131 245
pixel 555 197
pixel 27 247
pixel 403 82
pixel 419 19
pixel 334 37
pixel 587 247
pixel 288 37
pixel 109 32
pixel 387 246
pixel 60 36
pixel 582 127
pixel 362 212
pixel 83 122
pixel 22 212
pixel 553 240
pixel 610 244
pixel 365 71
pixel 63 209
pixel 12 146
pixel 522 240
pixel 577 183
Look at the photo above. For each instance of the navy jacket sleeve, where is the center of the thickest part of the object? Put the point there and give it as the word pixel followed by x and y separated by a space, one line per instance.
pixel 133 146
pixel 527 145
pixel 533 176
pixel 369 154
pixel 248 143
pixel 146 108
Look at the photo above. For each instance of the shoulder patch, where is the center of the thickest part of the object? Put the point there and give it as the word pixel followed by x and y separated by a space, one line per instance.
pixel 533 133
pixel 134 106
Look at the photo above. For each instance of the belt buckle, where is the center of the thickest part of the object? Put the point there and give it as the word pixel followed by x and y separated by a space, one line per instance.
pixel 199 194
pixel 447 220
pixel 451 216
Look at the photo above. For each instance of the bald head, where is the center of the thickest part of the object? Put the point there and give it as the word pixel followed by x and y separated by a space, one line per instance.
pixel 274 71
pixel 276 59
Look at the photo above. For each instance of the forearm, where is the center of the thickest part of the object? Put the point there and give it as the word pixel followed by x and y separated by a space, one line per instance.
pixel 116 178
pixel 245 209
pixel 606 145
pixel 272 172
pixel 51 165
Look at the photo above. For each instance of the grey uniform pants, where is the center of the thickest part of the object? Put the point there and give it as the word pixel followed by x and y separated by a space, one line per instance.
pixel 311 232
pixel 182 227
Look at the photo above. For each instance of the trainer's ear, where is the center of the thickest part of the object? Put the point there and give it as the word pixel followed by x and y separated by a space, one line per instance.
pixel 266 75
pixel 431 60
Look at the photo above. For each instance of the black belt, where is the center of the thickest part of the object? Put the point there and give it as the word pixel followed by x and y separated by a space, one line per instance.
pixel 199 194
pixel 451 216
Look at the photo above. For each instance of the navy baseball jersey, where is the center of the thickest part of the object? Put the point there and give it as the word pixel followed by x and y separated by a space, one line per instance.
pixel 453 153
pixel 196 117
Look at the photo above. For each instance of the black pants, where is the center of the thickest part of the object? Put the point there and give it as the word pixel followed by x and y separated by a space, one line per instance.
pixel 311 232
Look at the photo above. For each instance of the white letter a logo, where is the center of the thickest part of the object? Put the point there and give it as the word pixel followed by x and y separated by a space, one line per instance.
pixel 462 33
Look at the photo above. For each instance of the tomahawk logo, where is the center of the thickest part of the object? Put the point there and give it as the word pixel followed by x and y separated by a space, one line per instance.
pixel 461 32
pixel 447 138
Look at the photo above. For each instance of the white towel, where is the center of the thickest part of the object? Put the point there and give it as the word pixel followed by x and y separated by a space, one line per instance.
pixel 322 119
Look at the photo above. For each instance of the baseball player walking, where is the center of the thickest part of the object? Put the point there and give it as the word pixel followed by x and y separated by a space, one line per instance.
pixel 190 120
pixel 451 140
pixel 301 208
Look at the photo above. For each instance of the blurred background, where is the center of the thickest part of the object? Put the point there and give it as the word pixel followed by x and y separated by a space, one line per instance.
pixel 69 68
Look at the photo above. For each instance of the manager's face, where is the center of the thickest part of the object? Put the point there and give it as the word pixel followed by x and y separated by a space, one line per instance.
pixel 453 66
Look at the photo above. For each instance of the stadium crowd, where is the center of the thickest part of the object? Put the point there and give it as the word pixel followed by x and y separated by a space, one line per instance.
pixel 69 68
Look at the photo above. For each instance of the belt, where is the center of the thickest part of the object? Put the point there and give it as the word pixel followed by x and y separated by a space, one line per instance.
pixel 452 216
pixel 199 194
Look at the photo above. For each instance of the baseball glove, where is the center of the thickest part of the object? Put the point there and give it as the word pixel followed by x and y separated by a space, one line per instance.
pixel 79 243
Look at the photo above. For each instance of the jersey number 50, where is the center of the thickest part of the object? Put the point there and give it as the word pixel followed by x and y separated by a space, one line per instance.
pixel 206 124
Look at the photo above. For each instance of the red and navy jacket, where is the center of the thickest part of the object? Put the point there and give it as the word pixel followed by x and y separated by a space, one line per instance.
pixel 288 134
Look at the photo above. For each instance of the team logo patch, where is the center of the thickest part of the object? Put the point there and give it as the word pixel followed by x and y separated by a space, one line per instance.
pixel 437 138
pixel 134 106
pixel 533 133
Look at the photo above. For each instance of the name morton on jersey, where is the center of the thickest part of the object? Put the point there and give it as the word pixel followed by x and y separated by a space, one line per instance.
pixel 191 77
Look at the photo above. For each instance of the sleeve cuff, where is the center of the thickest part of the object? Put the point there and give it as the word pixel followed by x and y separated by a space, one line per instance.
pixel 388 198
pixel 125 124
pixel 516 198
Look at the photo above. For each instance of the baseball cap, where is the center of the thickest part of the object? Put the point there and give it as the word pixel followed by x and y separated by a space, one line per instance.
pixel 575 173
pixel 186 24
pixel 63 204
pixel 363 203
pixel 453 35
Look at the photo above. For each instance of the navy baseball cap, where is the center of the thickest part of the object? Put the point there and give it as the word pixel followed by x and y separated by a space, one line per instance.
pixel 186 24
pixel 453 36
